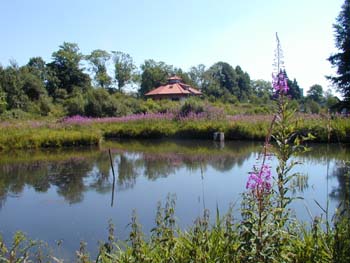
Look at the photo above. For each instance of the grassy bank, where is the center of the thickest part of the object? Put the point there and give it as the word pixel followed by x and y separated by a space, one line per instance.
pixel 78 131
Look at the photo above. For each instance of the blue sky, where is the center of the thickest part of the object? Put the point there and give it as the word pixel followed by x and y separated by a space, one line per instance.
pixel 182 33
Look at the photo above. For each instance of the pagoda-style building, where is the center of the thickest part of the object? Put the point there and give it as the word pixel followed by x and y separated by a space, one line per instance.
pixel 175 89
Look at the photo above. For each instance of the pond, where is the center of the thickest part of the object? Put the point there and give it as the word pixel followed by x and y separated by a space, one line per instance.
pixel 65 196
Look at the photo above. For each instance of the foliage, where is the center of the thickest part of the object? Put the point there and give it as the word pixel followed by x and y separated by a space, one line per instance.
pixel 124 67
pixel 98 59
pixel 153 75
pixel 341 59
pixel 65 72
pixel 221 80
pixel 63 87
pixel 315 93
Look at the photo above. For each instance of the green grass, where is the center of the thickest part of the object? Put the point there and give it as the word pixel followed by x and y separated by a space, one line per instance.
pixel 27 134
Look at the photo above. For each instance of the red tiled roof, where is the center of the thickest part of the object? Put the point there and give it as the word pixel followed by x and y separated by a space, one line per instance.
pixel 174 89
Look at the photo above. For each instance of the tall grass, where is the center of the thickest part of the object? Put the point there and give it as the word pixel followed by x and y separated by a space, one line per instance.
pixel 77 131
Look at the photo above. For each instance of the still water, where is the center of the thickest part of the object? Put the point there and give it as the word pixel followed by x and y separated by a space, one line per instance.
pixel 65 196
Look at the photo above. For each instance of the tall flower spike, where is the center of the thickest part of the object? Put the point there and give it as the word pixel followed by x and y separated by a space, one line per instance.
pixel 279 78
pixel 279 83
pixel 278 62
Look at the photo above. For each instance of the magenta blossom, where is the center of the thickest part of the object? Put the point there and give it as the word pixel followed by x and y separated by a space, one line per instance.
pixel 260 179
pixel 279 83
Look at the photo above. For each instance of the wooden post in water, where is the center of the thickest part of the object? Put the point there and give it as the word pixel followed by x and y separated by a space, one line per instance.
pixel 113 185
pixel 219 136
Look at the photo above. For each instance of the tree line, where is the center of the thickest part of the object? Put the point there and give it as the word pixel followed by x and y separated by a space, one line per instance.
pixel 97 84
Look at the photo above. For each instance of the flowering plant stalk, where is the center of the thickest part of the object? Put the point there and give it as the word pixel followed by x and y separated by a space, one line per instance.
pixel 265 214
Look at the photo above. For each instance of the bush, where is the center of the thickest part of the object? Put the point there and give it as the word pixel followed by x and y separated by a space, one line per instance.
pixel 191 105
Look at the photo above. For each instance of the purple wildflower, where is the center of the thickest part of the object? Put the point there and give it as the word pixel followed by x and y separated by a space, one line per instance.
pixel 260 179
pixel 279 83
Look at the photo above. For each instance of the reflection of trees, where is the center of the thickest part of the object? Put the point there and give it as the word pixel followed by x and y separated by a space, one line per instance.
pixel 127 172
pixel 74 172
pixel 100 174
pixel 67 176
pixel 322 153
pixel 70 182
pixel 342 172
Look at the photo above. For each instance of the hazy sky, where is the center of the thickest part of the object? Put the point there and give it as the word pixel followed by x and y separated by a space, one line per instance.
pixel 182 33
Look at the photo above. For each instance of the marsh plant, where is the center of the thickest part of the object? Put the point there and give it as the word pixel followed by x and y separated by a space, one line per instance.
pixel 266 230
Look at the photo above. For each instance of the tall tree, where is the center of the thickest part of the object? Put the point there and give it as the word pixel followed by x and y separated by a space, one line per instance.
pixel 124 67
pixel 221 78
pixel 295 92
pixel 65 72
pixel 32 84
pixel 153 75
pixel 341 60
pixel 243 82
pixel 12 84
pixel 197 75
pixel 315 93
pixel 262 89
pixel 98 59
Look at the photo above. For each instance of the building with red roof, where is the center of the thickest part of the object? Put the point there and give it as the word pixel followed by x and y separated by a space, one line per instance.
pixel 175 89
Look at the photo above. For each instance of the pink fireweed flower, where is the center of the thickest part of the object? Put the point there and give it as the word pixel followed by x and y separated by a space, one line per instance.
pixel 260 179
pixel 279 83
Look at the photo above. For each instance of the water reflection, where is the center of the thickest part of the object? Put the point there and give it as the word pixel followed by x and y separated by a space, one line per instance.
pixel 342 173
pixel 68 194
pixel 73 172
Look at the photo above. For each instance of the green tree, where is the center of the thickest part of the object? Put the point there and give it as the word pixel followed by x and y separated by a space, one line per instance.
pixel 3 103
pixel 315 93
pixel 330 99
pixel 124 67
pixel 196 75
pixel 186 78
pixel 312 106
pixel 100 104
pixel 65 72
pixel 32 84
pixel 243 83
pixel 98 59
pixel 262 89
pixel 37 66
pixel 226 76
pixel 295 92
pixel 153 75
pixel 75 105
pixel 341 60
pixel 12 84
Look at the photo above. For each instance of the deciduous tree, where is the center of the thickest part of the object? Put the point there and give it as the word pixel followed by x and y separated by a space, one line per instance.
pixel 153 75
pixel 65 71
pixel 98 59
pixel 124 67
pixel 315 93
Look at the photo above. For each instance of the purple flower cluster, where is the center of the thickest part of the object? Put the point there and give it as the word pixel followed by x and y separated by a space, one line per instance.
pixel 134 117
pixel 260 179
pixel 279 83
